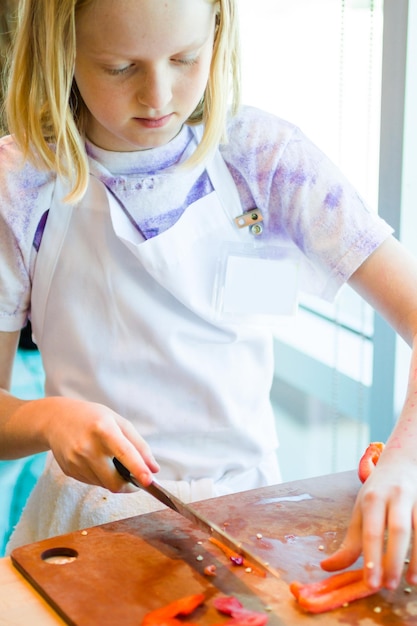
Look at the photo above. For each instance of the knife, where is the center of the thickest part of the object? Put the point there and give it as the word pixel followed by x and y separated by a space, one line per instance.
pixel 174 503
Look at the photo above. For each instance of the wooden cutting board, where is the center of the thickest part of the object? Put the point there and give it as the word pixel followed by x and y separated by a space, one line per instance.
pixel 118 572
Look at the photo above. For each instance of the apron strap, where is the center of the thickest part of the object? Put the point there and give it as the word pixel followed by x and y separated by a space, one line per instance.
pixel 221 179
pixel 59 216
pixel 57 223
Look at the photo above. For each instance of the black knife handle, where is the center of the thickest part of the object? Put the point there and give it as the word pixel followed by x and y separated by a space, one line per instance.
pixel 123 471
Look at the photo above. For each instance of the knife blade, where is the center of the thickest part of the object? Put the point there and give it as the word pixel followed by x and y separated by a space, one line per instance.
pixel 177 505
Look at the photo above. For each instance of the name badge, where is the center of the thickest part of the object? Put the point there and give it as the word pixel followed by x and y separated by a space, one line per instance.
pixel 255 283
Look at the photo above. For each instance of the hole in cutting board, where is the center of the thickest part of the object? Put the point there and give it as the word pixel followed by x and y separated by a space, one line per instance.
pixel 59 556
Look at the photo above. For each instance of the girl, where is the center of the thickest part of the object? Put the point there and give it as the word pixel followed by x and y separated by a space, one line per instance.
pixel 129 190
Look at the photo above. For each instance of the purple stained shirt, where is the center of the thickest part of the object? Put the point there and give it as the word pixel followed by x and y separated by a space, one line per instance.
pixel 305 200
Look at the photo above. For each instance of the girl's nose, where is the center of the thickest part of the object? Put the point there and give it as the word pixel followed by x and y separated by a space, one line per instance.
pixel 155 90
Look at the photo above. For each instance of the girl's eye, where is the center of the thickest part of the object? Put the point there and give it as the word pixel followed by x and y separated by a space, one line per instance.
pixel 186 61
pixel 118 71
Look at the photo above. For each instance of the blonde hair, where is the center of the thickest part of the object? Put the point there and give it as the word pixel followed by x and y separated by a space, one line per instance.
pixel 45 111
pixel 8 10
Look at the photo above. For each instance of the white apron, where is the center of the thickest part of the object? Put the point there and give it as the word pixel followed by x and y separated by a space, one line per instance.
pixel 128 323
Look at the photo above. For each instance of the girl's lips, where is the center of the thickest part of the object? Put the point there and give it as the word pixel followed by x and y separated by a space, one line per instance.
pixel 154 122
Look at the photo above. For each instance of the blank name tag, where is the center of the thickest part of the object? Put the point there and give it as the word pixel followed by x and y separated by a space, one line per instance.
pixel 257 282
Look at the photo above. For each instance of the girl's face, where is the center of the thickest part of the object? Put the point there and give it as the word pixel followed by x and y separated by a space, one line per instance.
pixel 141 68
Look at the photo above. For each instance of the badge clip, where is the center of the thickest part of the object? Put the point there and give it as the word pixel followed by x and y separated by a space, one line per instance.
pixel 252 219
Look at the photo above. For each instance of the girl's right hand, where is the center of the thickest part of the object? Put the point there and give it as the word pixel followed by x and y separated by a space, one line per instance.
pixel 85 436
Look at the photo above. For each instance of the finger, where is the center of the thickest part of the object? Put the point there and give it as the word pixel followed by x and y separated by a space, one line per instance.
pixel 134 462
pixel 140 444
pixel 105 475
pixel 351 547
pixel 399 534
pixel 411 575
pixel 345 556
pixel 114 482
pixel 373 532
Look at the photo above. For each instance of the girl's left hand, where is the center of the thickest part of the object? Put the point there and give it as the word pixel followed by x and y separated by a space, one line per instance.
pixel 382 522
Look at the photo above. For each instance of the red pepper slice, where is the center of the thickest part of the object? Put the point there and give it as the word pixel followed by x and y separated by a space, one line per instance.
pixel 328 584
pixel 170 621
pixel 166 614
pixel 229 605
pixel 251 619
pixel 332 592
pixel 369 459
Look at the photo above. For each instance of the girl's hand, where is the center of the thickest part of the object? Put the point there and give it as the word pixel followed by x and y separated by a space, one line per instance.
pixel 382 522
pixel 85 436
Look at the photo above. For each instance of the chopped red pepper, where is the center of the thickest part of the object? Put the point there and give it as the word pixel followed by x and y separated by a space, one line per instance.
pixel 328 584
pixel 369 459
pixel 229 605
pixel 250 618
pixel 210 570
pixel 171 621
pixel 332 592
pixel 166 614
pixel 235 558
